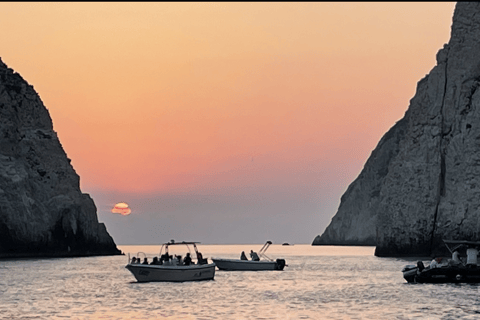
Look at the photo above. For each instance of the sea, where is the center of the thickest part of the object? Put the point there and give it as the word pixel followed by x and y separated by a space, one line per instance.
pixel 319 282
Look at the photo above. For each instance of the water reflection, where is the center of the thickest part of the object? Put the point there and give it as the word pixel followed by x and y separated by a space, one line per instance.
pixel 319 283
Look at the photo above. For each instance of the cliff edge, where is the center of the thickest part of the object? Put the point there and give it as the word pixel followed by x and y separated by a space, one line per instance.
pixel 421 183
pixel 43 213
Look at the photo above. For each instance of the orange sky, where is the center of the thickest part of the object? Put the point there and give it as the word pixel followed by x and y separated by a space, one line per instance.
pixel 236 102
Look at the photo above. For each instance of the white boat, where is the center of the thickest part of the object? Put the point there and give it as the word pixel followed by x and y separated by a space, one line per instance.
pixel 264 264
pixel 169 268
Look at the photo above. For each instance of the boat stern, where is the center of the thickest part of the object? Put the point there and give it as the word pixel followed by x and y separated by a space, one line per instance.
pixel 280 264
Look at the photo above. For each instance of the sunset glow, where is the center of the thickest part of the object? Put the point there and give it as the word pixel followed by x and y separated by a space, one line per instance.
pixel 246 115
pixel 122 208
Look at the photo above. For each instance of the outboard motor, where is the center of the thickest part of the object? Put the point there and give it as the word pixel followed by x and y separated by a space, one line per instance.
pixel 280 264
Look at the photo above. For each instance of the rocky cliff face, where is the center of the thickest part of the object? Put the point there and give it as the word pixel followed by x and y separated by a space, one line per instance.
pixel 42 210
pixel 421 184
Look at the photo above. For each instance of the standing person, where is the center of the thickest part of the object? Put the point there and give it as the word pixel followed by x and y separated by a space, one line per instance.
pixel 472 254
pixel 254 256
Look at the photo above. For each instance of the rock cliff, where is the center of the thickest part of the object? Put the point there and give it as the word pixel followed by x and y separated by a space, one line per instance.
pixel 42 210
pixel 421 184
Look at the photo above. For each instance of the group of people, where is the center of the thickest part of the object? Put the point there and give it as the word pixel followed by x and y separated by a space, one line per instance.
pixel 166 259
pixel 471 262
pixel 139 261
pixel 253 255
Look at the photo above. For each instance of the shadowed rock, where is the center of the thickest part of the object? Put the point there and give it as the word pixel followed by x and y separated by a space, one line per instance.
pixel 42 210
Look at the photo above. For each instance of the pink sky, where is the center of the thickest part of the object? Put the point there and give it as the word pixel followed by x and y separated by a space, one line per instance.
pixel 252 118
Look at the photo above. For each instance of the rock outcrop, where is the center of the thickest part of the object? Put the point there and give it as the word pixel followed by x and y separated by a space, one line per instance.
pixel 421 184
pixel 42 210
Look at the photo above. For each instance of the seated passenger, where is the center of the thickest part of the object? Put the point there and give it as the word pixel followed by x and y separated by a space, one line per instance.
pixel 243 256
pixel 200 259
pixel 254 256
pixel 436 263
pixel 455 259
pixel 164 257
pixel 187 260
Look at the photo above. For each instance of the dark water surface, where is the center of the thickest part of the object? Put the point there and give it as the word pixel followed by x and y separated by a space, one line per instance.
pixel 319 283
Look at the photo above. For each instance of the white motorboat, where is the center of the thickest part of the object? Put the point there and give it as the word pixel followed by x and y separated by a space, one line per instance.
pixel 264 263
pixel 169 268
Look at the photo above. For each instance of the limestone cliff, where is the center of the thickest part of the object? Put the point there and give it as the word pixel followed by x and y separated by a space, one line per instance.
pixel 42 210
pixel 421 184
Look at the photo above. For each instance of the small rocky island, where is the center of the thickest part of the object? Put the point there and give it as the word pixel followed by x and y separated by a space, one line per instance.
pixel 421 183
pixel 43 212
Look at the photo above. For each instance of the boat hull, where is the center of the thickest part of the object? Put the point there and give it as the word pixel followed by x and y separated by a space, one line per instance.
pixel 149 273
pixel 449 274
pixel 248 265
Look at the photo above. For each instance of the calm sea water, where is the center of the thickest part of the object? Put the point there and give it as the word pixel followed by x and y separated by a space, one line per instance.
pixel 319 283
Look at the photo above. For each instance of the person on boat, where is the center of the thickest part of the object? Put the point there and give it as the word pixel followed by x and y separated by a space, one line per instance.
pixel 145 261
pixel 436 263
pixel 472 254
pixel 200 259
pixel 187 260
pixel 456 258
pixel 243 256
pixel 254 256
pixel 164 257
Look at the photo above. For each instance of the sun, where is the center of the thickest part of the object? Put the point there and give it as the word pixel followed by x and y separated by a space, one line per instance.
pixel 122 208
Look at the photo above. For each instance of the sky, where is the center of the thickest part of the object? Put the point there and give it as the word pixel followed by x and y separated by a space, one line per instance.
pixel 224 123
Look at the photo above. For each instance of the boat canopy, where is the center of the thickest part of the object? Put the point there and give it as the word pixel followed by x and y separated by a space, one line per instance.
pixel 183 243
pixel 172 243
pixel 455 244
